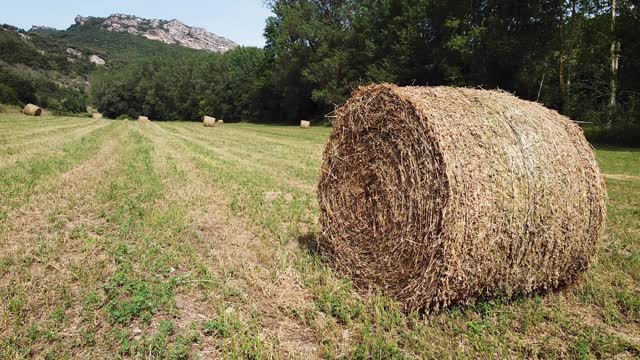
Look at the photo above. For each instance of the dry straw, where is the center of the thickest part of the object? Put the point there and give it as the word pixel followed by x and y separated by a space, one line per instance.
pixel 305 124
pixel 441 195
pixel 97 116
pixel 209 121
pixel 32 110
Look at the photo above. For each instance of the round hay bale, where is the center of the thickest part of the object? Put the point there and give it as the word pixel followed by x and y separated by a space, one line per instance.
pixel 305 124
pixel 97 116
pixel 209 121
pixel 143 118
pixel 220 122
pixel 441 195
pixel 32 110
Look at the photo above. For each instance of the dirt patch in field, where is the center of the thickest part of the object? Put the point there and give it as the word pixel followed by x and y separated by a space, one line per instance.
pixel 622 177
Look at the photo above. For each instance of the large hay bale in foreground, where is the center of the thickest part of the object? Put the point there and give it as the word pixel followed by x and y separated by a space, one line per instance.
pixel 32 110
pixel 443 195
pixel 305 124
pixel 209 121
pixel 97 116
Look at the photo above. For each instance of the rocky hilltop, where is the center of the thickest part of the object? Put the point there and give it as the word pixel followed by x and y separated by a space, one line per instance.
pixel 169 32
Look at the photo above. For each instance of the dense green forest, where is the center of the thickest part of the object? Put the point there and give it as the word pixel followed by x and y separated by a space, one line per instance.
pixel 579 57
pixel 235 85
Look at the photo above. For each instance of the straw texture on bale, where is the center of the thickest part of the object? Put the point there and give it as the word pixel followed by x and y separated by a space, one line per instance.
pixel 32 110
pixel 97 116
pixel 305 124
pixel 440 196
pixel 209 121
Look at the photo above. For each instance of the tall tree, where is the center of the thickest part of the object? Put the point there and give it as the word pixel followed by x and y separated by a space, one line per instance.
pixel 615 59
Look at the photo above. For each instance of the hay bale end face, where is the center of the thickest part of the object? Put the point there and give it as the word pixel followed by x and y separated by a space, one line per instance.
pixel 305 124
pixel 97 116
pixel 441 195
pixel 32 110
pixel 209 121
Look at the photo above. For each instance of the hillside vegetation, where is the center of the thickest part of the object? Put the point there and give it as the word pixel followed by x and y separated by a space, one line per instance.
pixel 115 47
pixel 35 69
pixel 168 240
pixel 52 68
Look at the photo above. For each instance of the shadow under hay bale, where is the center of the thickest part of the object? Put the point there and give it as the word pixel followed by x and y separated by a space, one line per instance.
pixel 32 110
pixel 441 196
pixel 209 121
pixel 310 242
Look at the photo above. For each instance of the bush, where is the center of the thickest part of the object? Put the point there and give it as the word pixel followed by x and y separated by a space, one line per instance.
pixel 624 135
pixel 19 87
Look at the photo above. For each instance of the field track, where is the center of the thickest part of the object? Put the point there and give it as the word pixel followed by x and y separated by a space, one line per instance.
pixel 157 240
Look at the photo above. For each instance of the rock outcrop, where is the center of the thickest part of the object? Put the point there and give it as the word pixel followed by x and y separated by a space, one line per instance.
pixel 169 32
pixel 95 59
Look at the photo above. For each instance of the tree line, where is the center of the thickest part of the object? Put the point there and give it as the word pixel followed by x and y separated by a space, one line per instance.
pixel 581 57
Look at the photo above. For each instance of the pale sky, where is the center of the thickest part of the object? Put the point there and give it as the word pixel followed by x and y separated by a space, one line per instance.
pixel 242 21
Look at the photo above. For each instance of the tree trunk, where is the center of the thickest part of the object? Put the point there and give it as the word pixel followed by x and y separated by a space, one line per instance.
pixel 616 48
pixel 615 60
pixel 563 79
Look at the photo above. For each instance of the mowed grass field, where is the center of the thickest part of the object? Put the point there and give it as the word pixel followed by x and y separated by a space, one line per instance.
pixel 168 240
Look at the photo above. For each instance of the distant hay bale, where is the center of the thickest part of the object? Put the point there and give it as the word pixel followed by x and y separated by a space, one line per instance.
pixel 305 124
pixel 220 122
pixel 209 121
pixel 32 110
pixel 143 118
pixel 441 195
pixel 97 116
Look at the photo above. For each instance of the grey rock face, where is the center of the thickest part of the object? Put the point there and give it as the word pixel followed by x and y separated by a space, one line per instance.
pixel 74 52
pixel 95 59
pixel 169 32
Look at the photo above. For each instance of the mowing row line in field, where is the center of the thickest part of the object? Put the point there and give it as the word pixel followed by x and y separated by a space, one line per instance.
pixel 18 181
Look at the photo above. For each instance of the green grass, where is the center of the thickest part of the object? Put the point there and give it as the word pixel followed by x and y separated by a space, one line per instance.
pixel 17 181
pixel 167 247
pixel 619 160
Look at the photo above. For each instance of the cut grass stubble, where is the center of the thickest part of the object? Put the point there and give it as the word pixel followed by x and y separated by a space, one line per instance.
pixel 169 248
